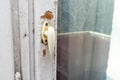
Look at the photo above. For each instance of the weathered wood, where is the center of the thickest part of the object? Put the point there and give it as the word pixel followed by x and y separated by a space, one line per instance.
pixel 45 67
pixel 24 38
pixel 21 18
pixel 31 38
pixel 16 35
pixel 22 21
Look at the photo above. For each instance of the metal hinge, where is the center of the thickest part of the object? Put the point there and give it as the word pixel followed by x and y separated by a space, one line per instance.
pixel 18 76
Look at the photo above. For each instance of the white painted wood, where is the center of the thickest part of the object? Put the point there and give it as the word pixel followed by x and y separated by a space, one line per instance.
pixel 24 38
pixel 16 36
pixel 45 67
pixel 31 38
pixel 113 70
pixel 6 45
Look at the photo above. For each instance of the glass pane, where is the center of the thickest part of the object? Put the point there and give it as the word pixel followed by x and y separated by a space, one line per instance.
pixel 84 28
pixel 85 15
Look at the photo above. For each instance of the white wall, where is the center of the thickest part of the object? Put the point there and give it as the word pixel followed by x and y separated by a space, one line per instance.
pixel 113 70
pixel 6 51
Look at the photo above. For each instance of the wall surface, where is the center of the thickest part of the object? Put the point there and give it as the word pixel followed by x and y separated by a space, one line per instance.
pixel 6 49
pixel 114 55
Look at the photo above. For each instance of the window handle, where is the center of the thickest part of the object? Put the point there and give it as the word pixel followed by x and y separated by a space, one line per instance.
pixel 48 37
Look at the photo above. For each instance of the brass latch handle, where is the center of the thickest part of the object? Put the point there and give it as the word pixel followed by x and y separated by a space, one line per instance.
pixel 48 37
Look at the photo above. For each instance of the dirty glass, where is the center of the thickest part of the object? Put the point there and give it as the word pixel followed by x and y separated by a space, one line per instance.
pixel 84 28
pixel 85 15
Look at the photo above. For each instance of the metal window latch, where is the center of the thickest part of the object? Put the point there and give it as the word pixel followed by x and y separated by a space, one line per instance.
pixel 48 37
pixel 17 76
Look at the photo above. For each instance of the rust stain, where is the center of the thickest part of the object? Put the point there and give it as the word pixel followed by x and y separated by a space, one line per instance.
pixel 47 15
pixel 44 53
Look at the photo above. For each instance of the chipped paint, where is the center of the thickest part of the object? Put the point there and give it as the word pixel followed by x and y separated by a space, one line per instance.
pixel 45 10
